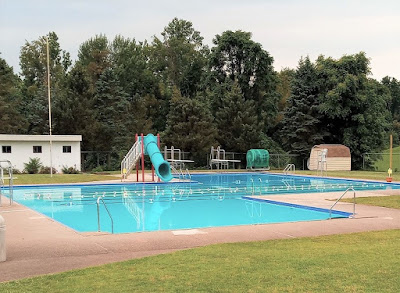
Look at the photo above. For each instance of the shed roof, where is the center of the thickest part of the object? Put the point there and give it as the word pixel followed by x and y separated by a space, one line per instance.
pixel 24 137
pixel 335 150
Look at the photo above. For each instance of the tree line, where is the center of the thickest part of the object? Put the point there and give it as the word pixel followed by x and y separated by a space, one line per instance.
pixel 197 96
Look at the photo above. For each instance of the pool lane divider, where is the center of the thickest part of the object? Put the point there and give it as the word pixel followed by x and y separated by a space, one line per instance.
pixel 334 212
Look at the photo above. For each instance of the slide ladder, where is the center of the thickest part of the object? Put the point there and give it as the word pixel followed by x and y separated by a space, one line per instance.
pixel 131 159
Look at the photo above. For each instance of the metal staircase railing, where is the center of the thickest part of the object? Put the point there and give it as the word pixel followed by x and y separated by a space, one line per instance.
pixel 131 159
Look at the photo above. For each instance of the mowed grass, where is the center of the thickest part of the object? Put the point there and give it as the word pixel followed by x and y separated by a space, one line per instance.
pixel 370 175
pixel 22 179
pixel 361 262
pixel 382 162
pixel 392 201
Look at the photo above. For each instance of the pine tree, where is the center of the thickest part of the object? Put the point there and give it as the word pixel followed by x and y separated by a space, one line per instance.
pixel 190 126
pixel 239 129
pixel 302 121
pixel 111 113
pixel 11 120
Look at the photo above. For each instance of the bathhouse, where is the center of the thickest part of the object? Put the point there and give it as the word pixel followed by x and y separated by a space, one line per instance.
pixel 18 149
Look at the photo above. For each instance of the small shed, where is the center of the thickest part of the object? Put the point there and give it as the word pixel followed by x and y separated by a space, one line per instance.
pixel 338 157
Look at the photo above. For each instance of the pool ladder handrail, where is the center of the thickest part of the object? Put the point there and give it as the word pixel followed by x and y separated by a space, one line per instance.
pixel 354 202
pixel 10 180
pixel 98 215
pixel 289 168
pixel 177 172
pixel 188 174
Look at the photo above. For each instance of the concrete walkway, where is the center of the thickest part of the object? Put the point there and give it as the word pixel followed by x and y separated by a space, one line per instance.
pixel 38 245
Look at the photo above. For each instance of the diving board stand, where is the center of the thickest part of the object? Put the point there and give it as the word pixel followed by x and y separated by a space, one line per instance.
pixel 218 158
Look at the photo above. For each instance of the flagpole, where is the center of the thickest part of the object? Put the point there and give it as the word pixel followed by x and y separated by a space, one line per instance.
pixel 48 93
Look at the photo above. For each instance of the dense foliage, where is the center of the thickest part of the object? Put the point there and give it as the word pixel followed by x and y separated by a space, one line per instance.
pixel 197 96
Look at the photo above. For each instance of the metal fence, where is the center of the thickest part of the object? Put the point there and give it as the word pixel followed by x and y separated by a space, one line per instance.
pixel 276 161
pixel 96 160
pixel 380 162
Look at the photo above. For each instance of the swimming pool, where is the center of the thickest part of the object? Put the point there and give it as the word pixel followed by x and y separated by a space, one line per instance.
pixel 210 200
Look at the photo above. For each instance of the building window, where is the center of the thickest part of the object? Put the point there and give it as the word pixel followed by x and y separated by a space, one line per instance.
pixel 37 149
pixel 6 149
pixel 66 149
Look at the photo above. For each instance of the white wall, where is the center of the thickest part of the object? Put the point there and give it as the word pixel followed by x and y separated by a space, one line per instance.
pixel 22 151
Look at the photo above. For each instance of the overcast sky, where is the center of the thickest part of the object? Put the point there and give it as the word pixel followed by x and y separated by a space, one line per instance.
pixel 287 29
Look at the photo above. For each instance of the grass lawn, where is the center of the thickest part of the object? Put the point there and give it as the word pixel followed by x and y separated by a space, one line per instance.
pixel 392 201
pixel 58 178
pixel 370 175
pixel 361 262
pixel 381 162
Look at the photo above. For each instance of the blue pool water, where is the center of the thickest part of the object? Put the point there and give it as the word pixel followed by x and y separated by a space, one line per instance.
pixel 211 200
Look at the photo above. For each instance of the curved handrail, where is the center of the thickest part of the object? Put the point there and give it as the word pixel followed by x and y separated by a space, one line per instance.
pixel 288 168
pixel 98 215
pixel 188 174
pixel 354 202
pixel 10 180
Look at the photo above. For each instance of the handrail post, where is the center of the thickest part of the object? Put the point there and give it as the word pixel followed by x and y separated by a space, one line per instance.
pixel 98 215
pixel 354 202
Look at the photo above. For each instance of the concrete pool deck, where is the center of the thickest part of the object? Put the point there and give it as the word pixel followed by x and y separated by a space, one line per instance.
pixel 38 245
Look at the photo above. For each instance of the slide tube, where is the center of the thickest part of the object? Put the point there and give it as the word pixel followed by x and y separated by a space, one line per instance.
pixel 161 166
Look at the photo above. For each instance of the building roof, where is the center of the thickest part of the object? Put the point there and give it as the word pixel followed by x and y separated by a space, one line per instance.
pixel 23 137
pixel 335 150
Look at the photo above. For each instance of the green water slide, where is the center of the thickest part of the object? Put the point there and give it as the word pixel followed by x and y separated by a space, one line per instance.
pixel 257 159
pixel 161 166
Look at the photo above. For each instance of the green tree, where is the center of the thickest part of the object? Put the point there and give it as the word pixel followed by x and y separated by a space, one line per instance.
pixel 238 128
pixel 111 112
pixel 355 107
pixel 285 77
pixel 393 86
pixel 95 56
pixel 190 126
pixel 34 72
pixel 179 59
pixel 236 57
pixel 131 66
pixel 301 124
pixel 75 113
pixel 11 120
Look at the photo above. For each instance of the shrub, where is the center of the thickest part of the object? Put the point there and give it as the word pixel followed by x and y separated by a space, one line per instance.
pixel 33 166
pixel 46 170
pixel 69 170
pixel 97 169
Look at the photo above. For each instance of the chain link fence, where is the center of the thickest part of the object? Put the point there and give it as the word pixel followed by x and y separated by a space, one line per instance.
pixel 380 162
pixel 276 161
pixel 99 161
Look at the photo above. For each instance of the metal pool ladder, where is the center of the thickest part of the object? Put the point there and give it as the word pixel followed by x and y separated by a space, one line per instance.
pixel 354 202
pixel 289 168
pixel 98 215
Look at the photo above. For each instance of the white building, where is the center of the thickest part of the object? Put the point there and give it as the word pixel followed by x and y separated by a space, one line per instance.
pixel 66 150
